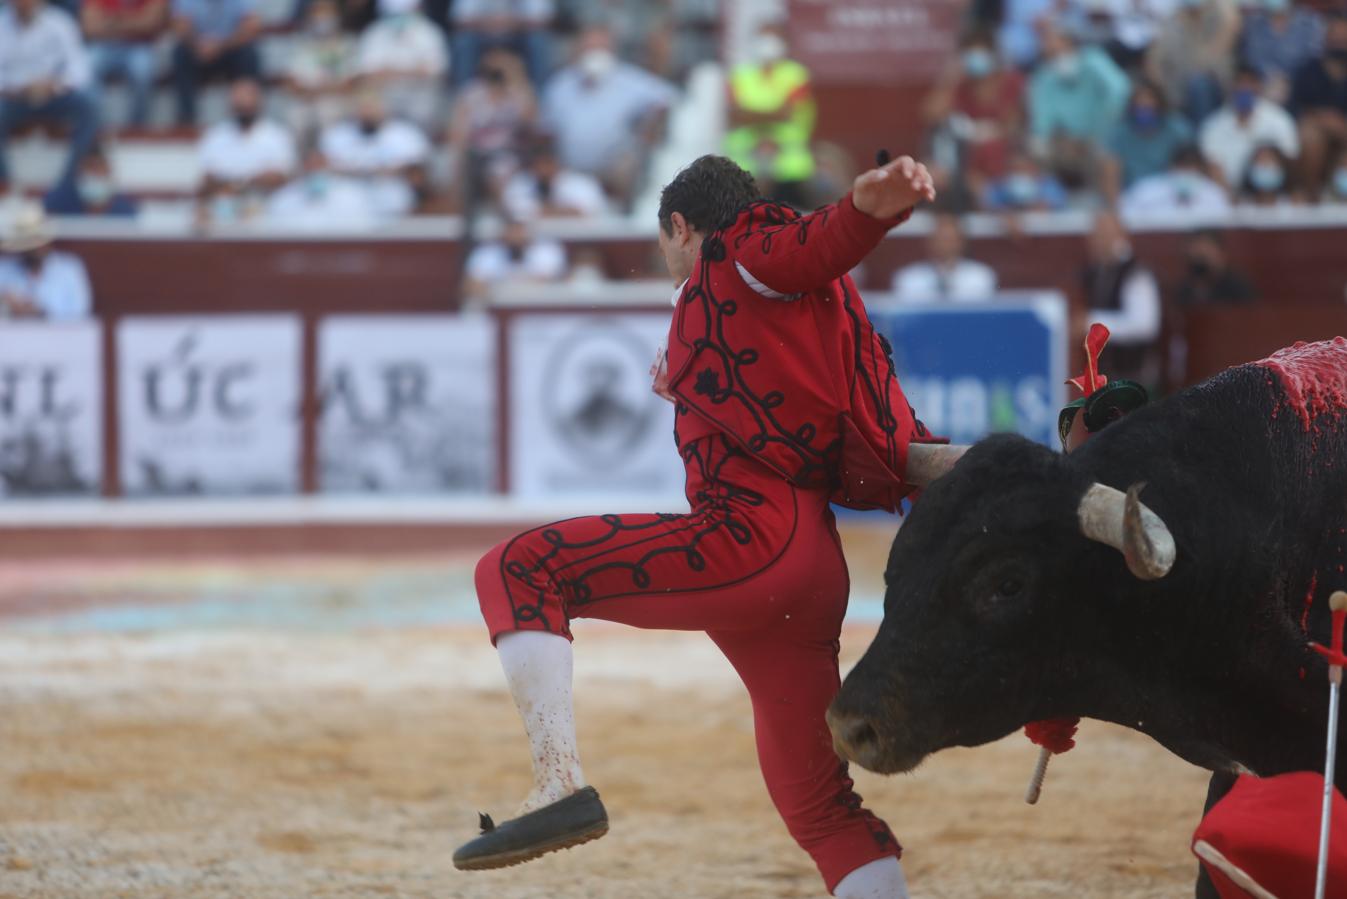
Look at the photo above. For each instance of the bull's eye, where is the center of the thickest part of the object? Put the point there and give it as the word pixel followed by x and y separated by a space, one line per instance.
pixel 1009 588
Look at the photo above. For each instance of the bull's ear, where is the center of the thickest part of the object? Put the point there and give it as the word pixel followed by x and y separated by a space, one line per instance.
pixel 1122 521
pixel 928 461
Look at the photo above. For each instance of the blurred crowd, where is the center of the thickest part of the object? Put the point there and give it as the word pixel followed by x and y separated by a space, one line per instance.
pixel 1147 106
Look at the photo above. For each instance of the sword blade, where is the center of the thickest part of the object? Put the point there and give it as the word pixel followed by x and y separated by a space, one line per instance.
pixel 1326 815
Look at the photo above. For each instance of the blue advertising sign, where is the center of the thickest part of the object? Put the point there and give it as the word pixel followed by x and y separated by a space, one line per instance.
pixel 970 371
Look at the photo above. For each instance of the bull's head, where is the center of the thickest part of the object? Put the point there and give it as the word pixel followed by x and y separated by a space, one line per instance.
pixel 991 618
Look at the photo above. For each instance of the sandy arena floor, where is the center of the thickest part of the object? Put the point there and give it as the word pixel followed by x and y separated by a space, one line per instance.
pixel 296 764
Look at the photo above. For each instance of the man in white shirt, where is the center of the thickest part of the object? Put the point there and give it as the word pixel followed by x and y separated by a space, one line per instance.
pixel 404 54
pixel 37 281
pixel 945 277
pixel 1184 189
pixel 606 114
pixel 546 190
pixel 388 154
pixel 1247 121
pixel 1122 294
pixel 322 200
pixel 45 76
pixel 516 257
pixel 245 156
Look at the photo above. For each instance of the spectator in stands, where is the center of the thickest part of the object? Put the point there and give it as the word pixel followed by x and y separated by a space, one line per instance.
pixel 37 281
pixel 772 115
pixel 1185 188
pixel 1125 29
pixel 320 70
pixel 1025 188
pixel 1319 100
pixel 523 26
pixel 1336 191
pixel 122 36
pixel 946 276
pixel 1278 39
pixel 1019 34
pixel 1248 120
pixel 44 77
pixel 979 104
pixel 1194 55
pixel 517 257
pixel 1269 179
pixel 1121 293
pixel 388 154
pixel 493 115
pixel 1209 279
pixel 244 157
pixel 215 38
pixel 94 193
pixel 1145 141
pixel 321 199
pixel 1076 96
pixel 606 114
pixel 547 190
pixel 404 55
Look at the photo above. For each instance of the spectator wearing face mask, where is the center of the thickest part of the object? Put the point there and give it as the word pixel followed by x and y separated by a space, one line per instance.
pixel 945 276
pixel 1076 95
pixel 1194 55
pixel 1335 193
pixel 1319 101
pixel 605 114
pixel 1026 187
pixel 389 155
pixel 1145 141
pixel 1268 180
pixel 1185 189
pixel 491 118
pixel 772 116
pixel 516 258
pixel 547 190
pixel 37 281
pixel 1279 38
pixel 216 38
pixel 403 54
pixel 979 104
pixel 1209 279
pixel 319 73
pixel 94 192
pixel 1248 120
pixel 522 26
pixel 1122 294
pixel 321 199
pixel 243 158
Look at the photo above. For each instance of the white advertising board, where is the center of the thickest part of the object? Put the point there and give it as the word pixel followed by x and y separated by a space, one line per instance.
pixel 408 404
pixel 51 408
pixel 209 404
pixel 583 419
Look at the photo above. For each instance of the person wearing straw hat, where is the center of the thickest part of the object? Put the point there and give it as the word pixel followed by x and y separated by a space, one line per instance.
pixel 37 281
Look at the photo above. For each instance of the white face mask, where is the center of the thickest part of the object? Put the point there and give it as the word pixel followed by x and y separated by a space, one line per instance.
pixel 1067 65
pixel 769 47
pixel 596 64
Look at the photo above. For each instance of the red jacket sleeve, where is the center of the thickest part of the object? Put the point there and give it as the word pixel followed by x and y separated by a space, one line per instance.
pixel 811 251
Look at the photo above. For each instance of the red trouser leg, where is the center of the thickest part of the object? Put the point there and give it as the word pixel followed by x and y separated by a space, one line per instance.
pixel 757 564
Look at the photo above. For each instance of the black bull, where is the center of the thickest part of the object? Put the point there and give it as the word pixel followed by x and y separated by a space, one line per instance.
pixel 999 611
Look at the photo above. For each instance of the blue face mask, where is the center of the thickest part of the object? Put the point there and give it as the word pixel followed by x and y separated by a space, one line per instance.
pixel 1266 177
pixel 1243 99
pixel 1340 183
pixel 978 62
pixel 1145 116
pixel 1021 188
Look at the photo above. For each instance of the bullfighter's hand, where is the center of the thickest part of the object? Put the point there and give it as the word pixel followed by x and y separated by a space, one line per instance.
pixel 893 188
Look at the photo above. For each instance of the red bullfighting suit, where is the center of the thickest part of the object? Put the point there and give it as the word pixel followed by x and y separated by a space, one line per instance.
pixel 785 399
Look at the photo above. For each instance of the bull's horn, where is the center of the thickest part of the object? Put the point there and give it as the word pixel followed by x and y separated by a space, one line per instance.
pixel 1123 522
pixel 928 461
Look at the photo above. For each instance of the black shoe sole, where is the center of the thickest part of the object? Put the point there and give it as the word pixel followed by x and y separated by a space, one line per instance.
pixel 513 857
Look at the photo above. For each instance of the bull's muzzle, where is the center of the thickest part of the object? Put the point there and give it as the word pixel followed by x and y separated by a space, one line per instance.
pixel 855 738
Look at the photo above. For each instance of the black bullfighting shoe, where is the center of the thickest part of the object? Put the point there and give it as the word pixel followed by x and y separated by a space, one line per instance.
pixel 578 818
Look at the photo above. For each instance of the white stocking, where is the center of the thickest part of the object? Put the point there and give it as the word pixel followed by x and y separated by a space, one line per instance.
pixel 879 879
pixel 538 668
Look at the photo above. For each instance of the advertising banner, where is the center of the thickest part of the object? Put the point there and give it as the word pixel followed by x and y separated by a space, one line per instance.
pixel 209 404
pixel 970 371
pixel 583 419
pixel 408 404
pixel 51 408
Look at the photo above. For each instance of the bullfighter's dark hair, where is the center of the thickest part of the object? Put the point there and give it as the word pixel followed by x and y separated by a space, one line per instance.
pixel 709 193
